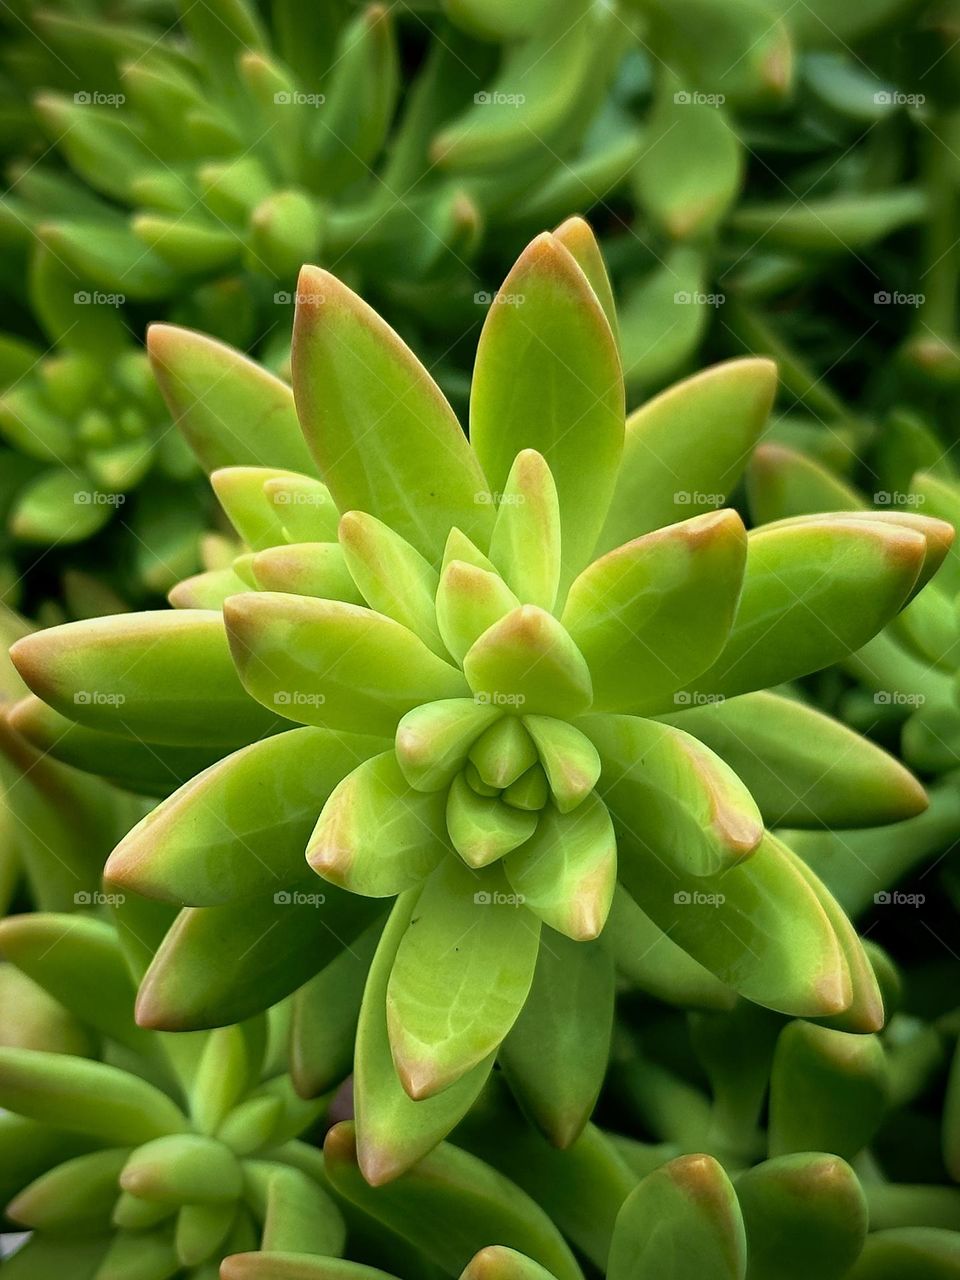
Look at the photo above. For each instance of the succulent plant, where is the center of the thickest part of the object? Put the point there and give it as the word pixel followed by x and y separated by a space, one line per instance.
pixel 57 824
pixel 148 1154
pixel 258 144
pixel 477 648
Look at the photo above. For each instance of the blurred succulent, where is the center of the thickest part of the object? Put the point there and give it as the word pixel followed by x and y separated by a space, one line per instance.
pixel 523 681
pixel 57 825
pixel 206 171
pixel 161 1154
pixel 798 182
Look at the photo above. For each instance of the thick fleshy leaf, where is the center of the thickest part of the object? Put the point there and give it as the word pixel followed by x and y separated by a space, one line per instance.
pixel 922 1253
pixel 78 961
pixel 681 1223
pixel 433 741
pixel 497 1263
pixel 475 1203
pixel 393 577
pixel 698 434
pixel 164 676
pixel 682 803
pixel 528 661
pixel 333 664
pixel 567 871
pixel 525 545
pixel 85 1097
pixel 295 1266
pixel 503 752
pixel 802 767
pixel 652 615
pixel 324 1017
pixel 376 835
pixel 547 377
pixel 297 1214
pixel 556 1055
pixel 219 965
pixel 240 828
pixel 34 1020
pixel 393 1131
pixel 812 593
pixel 145 768
pixel 304 507
pixel 183 1168
pixel 828 1090
pixel 576 235
pixel 231 411
pixel 462 973
pixel 758 926
pixel 305 569
pixel 469 601
pixel 692 167
pixel 78 1194
pixel 240 492
pixel 938 535
pixel 865 1011
pixel 483 828
pixel 570 760
pixel 805 1215
pixel 46 1257
pixel 385 438
pixel 782 482
pixel 649 959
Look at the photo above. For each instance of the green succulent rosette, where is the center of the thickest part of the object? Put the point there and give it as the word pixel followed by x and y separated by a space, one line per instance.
pixel 127 1152
pixel 211 155
pixel 535 706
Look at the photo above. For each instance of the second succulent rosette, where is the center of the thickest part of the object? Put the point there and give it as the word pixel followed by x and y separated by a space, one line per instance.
pixel 533 672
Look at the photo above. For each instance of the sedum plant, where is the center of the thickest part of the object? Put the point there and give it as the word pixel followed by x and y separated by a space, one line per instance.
pixel 534 702
pixel 139 1154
